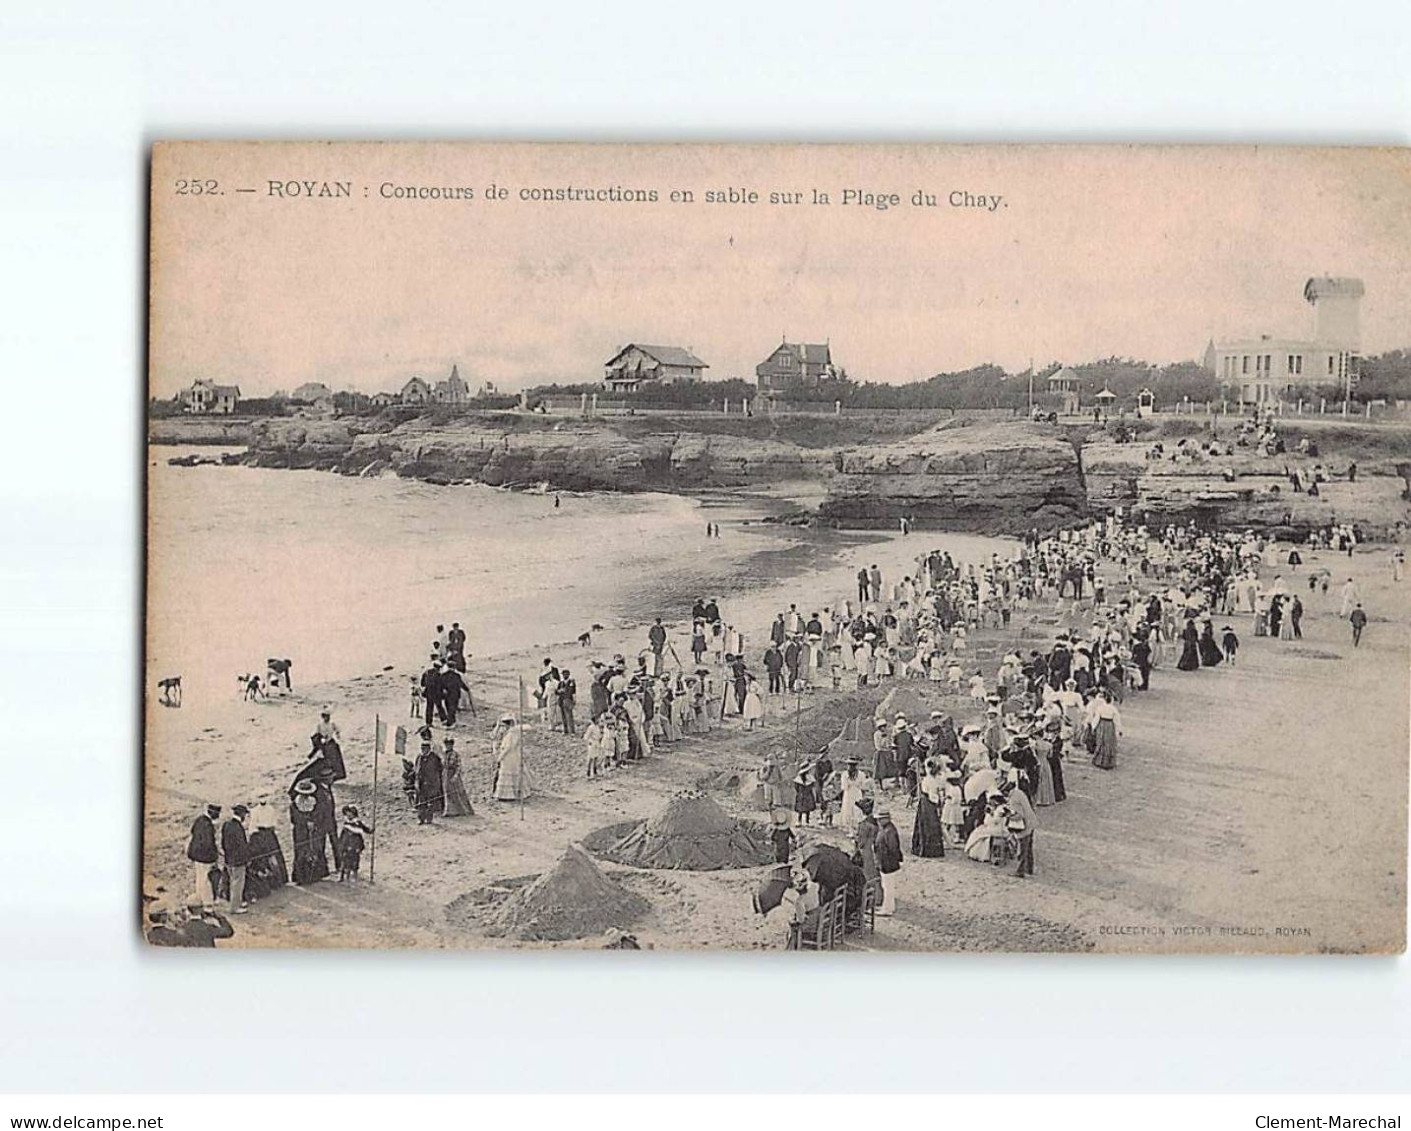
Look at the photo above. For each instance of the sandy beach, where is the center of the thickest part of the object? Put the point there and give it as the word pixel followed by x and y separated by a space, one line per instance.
pixel 1254 808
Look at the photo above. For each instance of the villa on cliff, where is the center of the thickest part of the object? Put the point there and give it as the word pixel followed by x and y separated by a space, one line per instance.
pixel 1265 369
pixel 311 392
pixel 453 390
pixel 206 397
pixel 794 365
pixel 636 365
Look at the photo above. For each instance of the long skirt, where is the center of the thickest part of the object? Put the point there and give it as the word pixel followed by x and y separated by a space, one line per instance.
pixel 1190 657
pixel 1056 772
pixel 1045 794
pixel 926 838
pixel 1105 755
pixel 457 800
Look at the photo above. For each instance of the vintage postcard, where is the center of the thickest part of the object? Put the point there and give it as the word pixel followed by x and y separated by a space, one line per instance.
pixel 857 548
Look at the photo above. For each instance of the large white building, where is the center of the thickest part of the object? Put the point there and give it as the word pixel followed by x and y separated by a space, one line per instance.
pixel 1265 369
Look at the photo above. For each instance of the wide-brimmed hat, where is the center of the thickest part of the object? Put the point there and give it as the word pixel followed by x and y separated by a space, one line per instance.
pixel 305 787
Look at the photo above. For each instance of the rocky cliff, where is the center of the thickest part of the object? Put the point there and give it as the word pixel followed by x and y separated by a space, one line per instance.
pixel 198 430
pixel 498 450
pixel 992 477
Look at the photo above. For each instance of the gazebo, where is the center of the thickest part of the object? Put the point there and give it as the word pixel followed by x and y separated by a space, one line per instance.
pixel 1064 385
pixel 1106 397
pixel 1146 401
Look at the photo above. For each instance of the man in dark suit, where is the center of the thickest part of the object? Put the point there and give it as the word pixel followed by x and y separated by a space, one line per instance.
pixel 201 851
pixel 235 847
pixel 452 687
pixel 430 790
pixel 431 689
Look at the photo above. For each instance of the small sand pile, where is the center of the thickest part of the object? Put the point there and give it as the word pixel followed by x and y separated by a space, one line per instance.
pixel 692 832
pixel 570 901
pixel 721 780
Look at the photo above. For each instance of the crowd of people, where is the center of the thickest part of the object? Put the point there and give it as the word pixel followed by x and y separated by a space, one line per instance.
pixel 1132 600
pixel 1123 600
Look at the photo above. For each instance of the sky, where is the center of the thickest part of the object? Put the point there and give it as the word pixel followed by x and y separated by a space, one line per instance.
pixel 1091 252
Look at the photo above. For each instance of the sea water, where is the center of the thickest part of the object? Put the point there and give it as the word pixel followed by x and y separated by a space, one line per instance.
pixel 346 575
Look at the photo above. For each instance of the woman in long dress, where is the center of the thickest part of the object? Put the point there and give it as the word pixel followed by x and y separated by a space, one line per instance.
pixel 1044 793
pixel 310 864
pixel 1190 651
pixel 453 784
pixel 1107 724
pixel 267 869
pixel 853 785
pixel 511 777
pixel 926 835
pixel 1210 653
pixel 754 705
pixel 1055 764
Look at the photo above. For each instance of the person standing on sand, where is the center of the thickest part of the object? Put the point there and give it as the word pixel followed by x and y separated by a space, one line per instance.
pixel 453 783
pixel 1021 823
pixel 430 785
pixel 452 689
pixel 656 636
pixel 1349 598
pixel 864 583
pixel 1358 619
pixel 202 852
pixel 431 689
pixel 774 666
pixel 889 858
pixel 567 696
pixel 752 706
pixel 511 777
pixel 874 581
pixel 235 847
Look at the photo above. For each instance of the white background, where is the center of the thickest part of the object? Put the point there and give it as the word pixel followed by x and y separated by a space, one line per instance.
pixel 84 88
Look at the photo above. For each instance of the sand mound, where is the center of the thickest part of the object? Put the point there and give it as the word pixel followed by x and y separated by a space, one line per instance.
pixel 570 901
pixel 854 740
pixel 906 701
pixel 721 780
pixel 692 832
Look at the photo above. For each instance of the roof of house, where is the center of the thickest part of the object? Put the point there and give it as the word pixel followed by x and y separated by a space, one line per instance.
pixel 809 353
pixel 1268 343
pixel 666 355
pixel 416 383
pixel 1064 374
pixel 228 391
pixel 1326 285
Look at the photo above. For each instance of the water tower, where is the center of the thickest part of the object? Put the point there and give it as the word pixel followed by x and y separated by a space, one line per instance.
pixel 1337 306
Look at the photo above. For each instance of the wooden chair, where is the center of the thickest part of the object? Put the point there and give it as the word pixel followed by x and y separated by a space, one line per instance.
pixel 864 915
pixel 825 933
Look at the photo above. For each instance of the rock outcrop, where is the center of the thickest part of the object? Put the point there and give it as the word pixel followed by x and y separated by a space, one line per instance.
pixel 198 430
pixel 962 475
pixel 515 451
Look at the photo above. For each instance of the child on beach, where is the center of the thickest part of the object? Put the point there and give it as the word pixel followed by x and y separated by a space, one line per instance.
pixel 351 844
pixel 977 687
pixel 754 705
pixel 1231 644
pixel 805 799
pixel 592 747
pixel 953 676
pixel 953 811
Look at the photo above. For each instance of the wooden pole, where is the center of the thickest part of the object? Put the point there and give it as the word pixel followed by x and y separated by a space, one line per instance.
pixel 372 836
pixel 519 726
